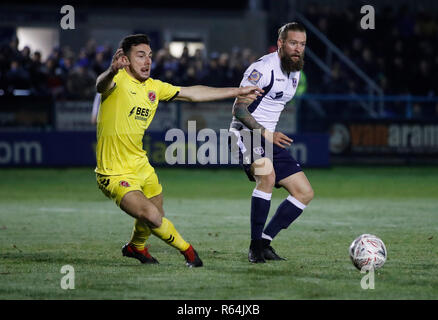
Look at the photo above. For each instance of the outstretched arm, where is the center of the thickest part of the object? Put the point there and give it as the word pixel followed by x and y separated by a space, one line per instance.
pixel 204 93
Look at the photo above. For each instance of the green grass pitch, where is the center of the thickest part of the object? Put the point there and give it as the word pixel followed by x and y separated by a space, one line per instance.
pixel 55 217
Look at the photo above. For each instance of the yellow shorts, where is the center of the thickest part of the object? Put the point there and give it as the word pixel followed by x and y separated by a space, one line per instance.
pixel 116 186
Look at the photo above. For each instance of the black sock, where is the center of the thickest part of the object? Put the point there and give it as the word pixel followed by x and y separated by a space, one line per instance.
pixel 260 204
pixel 287 212
pixel 266 243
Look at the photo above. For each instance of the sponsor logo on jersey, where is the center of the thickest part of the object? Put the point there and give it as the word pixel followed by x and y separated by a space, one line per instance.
pixel 140 113
pixel 255 76
pixel 125 184
pixel 152 96
pixel 294 82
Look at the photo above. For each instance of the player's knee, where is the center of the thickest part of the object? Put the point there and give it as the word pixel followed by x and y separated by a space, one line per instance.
pixel 265 183
pixel 307 195
pixel 161 211
pixel 155 222
pixel 269 180
pixel 263 167
pixel 310 195
pixel 151 216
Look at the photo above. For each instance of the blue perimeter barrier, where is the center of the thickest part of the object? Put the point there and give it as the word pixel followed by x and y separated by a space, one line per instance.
pixel 64 149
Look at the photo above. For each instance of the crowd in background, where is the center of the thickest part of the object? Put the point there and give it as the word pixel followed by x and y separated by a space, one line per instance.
pixel 400 55
pixel 66 75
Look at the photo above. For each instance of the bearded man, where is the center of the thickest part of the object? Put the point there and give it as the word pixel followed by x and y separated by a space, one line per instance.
pixel 267 161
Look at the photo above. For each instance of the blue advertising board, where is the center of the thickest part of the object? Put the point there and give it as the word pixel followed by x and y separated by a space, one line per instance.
pixel 73 148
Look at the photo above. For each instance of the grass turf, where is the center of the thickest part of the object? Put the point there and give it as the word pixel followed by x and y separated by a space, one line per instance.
pixel 54 217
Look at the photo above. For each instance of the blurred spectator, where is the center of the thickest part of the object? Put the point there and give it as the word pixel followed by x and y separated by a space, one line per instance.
pixel 183 65
pixel 81 82
pixel 66 65
pixel 55 83
pixel 38 75
pixel 83 59
pixel 17 77
pixel 26 61
pixel 12 52
pixel 213 80
pixel 223 73
pixel 185 53
pixel 169 75
pixel 189 77
pixel 99 64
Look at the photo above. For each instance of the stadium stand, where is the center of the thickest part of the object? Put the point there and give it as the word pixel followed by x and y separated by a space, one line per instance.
pixel 401 60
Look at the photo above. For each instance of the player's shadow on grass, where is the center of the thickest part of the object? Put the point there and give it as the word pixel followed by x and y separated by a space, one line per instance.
pixel 63 259
pixel 244 267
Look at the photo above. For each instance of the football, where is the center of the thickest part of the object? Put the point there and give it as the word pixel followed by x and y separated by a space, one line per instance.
pixel 368 252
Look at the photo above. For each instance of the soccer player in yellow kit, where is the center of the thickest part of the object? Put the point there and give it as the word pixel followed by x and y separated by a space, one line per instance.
pixel 128 104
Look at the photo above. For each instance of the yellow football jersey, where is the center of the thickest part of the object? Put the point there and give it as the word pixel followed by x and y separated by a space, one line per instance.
pixel 124 115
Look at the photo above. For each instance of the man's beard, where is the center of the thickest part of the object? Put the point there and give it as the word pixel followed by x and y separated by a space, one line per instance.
pixel 289 65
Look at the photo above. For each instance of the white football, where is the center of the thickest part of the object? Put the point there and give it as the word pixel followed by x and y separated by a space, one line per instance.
pixel 368 251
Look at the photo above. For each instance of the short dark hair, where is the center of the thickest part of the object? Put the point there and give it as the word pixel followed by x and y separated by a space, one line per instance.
pixel 133 40
pixel 291 26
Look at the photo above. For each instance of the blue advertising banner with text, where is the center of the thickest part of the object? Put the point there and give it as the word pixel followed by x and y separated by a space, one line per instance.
pixel 63 149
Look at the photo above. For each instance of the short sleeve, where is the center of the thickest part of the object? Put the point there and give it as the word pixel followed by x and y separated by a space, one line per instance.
pixel 166 91
pixel 255 75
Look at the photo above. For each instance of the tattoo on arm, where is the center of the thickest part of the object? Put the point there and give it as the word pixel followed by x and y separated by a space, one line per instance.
pixel 240 111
